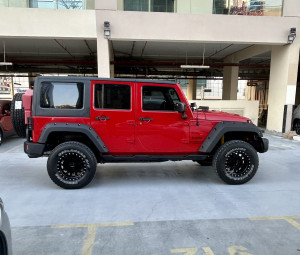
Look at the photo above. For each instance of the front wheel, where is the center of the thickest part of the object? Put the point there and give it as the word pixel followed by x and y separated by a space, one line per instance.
pixel 297 126
pixel 236 162
pixel 71 165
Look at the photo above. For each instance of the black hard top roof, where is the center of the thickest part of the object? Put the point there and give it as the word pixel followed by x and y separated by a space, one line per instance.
pixel 80 78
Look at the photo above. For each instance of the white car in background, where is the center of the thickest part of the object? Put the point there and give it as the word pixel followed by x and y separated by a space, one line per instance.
pixel 296 120
pixel 5 232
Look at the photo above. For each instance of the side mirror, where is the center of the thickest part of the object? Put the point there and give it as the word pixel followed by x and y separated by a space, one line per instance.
pixel 180 107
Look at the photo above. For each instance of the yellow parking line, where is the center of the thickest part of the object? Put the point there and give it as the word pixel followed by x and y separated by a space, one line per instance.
pixel 16 147
pixel 114 224
pixel 89 240
pixel 88 244
pixel 289 219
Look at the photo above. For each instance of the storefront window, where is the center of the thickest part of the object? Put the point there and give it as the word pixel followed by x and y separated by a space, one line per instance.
pixel 248 7
pixel 162 5
pixel 57 4
pixel 153 5
pixel 136 5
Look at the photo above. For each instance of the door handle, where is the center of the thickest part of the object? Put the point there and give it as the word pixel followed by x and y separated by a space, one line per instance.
pixel 102 118
pixel 146 119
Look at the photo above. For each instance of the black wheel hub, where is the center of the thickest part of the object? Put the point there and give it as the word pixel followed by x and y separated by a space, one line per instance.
pixel 237 164
pixel 72 165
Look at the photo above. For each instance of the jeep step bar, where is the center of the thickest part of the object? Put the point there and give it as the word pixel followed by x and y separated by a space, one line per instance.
pixel 152 158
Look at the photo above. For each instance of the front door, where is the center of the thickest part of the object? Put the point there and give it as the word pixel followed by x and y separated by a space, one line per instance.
pixel 160 129
pixel 112 114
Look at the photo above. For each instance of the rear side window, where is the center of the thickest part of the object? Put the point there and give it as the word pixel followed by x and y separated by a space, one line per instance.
pixel 112 96
pixel 61 95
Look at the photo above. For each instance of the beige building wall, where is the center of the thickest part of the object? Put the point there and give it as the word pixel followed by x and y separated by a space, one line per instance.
pixel 47 23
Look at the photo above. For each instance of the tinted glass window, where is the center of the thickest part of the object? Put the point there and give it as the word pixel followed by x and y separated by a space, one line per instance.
pixel 159 98
pixel 136 5
pixel 112 96
pixel 162 5
pixel 61 95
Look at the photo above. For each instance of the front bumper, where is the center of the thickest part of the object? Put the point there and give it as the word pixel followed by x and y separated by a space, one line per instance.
pixel 34 150
pixel 265 145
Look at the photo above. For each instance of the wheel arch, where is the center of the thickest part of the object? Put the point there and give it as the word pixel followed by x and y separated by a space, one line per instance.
pixel 228 130
pixel 61 132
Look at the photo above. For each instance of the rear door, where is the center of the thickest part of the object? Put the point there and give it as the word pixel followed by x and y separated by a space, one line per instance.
pixel 160 129
pixel 112 114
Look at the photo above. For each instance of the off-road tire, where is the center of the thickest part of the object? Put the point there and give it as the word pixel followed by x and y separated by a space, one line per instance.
pixel 18 115
pixel 72 165
pixel 297 126
pixel 236 162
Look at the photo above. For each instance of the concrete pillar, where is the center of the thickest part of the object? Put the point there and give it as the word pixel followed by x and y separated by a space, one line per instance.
pixel 282 86
pixel 230 82
pixel 103 57
pixel 192 89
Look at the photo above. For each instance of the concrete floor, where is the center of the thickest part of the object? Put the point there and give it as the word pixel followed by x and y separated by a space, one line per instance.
pixel 157 208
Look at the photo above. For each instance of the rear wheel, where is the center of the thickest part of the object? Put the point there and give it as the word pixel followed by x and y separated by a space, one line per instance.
pixel 297 126
pixel 71 165
pixel 18 115
pixel 236 162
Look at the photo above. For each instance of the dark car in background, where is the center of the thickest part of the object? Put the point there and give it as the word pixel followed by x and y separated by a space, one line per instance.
pixel 5 232
pixel 6 126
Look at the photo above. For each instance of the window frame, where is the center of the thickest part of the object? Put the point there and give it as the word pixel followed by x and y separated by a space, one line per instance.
pixel 53 112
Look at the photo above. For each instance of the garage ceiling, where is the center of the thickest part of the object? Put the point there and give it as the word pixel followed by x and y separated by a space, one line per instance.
pixel 131 58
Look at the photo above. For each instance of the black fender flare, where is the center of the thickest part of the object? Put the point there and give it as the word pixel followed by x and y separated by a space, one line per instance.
pixel 75 128
pixel 224 127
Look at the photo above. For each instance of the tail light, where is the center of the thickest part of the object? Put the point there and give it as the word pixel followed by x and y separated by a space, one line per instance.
pixel 30 123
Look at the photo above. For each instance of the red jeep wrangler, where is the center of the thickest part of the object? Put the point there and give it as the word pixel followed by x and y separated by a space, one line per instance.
pixel 79 122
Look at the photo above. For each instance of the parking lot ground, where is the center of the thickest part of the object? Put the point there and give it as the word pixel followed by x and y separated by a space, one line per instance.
pixel 157 208
pixel 209 237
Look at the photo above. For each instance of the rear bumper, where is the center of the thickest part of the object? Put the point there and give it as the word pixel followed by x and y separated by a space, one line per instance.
pixel 34 150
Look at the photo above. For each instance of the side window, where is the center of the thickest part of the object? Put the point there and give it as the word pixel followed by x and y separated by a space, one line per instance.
pixel 61 95
pixel 159 98
pixel 112 96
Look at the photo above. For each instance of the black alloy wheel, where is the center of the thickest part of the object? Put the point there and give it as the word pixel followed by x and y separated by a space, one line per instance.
pixel 72 165
pixel 236 162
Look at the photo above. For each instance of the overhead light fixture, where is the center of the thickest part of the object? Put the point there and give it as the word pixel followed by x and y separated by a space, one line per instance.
pixel 4 63
pixel 194 67
pixel 106 29
pixel 292 35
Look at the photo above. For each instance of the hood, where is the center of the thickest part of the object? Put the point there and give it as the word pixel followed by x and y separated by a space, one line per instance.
pixel 222 116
